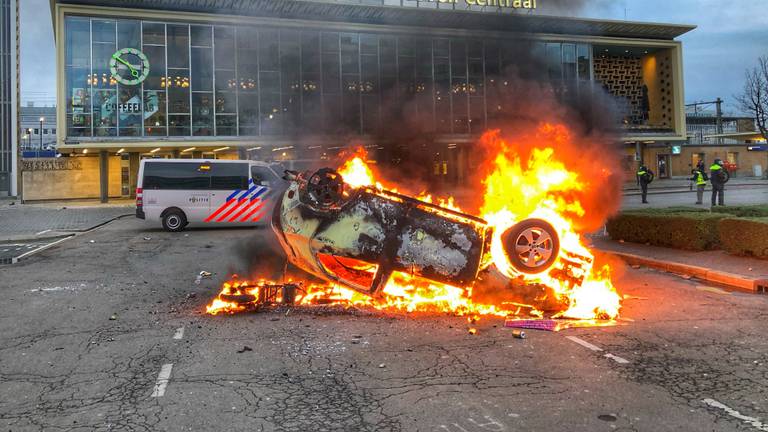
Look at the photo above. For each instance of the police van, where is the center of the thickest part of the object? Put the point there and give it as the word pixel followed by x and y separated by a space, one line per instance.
pixel 179 192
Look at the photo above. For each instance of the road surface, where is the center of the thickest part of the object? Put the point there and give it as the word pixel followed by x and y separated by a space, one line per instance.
pixel 106 332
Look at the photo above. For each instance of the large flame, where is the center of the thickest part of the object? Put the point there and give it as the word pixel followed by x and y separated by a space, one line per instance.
pixel 518 186
pixel 543 187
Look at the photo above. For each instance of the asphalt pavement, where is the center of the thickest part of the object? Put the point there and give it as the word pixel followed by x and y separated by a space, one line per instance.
pixel 112 337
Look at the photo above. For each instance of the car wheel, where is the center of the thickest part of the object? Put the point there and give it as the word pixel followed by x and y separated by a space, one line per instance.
pixel 532 246
pixel 174 221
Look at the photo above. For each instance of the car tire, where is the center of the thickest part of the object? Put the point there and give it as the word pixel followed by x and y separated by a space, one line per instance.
pixel 174 220
pixel 532 246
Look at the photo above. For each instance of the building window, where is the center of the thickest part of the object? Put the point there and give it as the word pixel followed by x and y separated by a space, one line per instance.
pixel 226 80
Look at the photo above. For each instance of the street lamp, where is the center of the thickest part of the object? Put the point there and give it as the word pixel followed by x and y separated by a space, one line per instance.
pixel 23 137
pixel 42 119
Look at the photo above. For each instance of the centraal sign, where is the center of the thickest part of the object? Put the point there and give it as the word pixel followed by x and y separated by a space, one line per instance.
pixel 512 4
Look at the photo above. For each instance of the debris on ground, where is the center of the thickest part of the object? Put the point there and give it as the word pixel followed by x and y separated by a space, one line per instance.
pixel 201 275
pixel 245 348
pixel 635 266
pixel 382 365
pixel 518 334
pixel 473 331
pixel 113 317
pixel 534 324
pixel 555 325
pixel 147 238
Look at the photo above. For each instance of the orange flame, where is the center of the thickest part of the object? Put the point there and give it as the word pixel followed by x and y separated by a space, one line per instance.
pixel 542 187
pixel 518 186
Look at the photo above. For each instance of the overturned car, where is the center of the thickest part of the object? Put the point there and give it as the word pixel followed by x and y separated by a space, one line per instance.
pixel 359 237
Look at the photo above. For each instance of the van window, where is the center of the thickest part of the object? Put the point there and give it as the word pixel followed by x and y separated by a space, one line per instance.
pixel 229 176
pixel 263 176
pixel 175 176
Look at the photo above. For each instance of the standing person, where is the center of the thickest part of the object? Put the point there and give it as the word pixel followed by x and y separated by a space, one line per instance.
pixel 719 177
pixel 644 178
pixel 700 178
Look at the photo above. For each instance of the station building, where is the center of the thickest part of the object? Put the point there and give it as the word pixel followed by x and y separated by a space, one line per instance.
pixel 293 80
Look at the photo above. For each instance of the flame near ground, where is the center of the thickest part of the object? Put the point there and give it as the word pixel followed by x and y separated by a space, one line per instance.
pixel 534 183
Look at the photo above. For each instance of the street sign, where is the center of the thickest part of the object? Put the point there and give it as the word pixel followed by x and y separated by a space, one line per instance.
pixel 763 147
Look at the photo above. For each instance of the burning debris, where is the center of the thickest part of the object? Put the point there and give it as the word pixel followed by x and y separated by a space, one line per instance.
pixel 385 250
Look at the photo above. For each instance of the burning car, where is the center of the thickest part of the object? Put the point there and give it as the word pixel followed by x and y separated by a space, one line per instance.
pixel 359 236
pixel 372 246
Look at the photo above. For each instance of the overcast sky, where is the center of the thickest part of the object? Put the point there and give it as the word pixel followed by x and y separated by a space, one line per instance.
pixel 729 38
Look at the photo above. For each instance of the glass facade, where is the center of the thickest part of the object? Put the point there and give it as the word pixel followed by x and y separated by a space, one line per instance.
pixel 230 81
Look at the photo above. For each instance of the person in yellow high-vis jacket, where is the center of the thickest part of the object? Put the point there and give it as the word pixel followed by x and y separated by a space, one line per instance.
pixel 700 178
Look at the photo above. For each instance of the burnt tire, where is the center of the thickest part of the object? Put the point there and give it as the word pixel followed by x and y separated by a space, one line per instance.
pixel 532 246
pixel 174 220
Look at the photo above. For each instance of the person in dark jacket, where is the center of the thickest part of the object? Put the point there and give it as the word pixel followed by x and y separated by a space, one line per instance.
pixel 718 176
pixel 644 178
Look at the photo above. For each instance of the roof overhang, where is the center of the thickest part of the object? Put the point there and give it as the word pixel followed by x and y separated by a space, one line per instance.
pixel 343 12
pixel 738 135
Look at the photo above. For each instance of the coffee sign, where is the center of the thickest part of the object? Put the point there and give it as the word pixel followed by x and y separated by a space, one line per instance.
pixel 510 4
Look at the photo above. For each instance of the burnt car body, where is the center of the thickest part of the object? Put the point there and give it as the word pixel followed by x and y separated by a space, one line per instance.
pixel 359 236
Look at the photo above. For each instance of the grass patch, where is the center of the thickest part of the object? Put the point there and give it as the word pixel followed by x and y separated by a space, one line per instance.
pixel 752 211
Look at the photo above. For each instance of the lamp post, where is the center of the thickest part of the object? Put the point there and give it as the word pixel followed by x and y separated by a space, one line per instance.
pixel 42 120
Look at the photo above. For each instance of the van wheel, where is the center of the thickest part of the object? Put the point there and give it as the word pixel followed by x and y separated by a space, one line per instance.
pixel 174 221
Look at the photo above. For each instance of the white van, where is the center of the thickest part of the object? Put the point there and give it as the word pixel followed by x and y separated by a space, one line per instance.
pixel 178 192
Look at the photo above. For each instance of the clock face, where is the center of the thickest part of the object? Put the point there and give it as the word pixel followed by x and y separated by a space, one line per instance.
pixel 129 66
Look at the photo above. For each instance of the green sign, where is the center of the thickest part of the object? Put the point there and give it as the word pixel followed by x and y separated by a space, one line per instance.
pixel 129 66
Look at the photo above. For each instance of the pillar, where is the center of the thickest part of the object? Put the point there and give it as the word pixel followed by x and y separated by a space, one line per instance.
pixel 133 171
pixel 104 176
pixel 175 153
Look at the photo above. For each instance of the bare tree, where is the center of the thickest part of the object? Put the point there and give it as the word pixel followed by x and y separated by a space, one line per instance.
pixel 754 98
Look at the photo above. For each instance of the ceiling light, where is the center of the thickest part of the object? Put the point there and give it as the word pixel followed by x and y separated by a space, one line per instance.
pixel 155 150
pixel 254 148
pixel 220 149
pixel 188 150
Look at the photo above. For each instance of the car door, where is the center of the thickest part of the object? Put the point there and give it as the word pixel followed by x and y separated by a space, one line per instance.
pixel 232 193
pixel 183 185
pixel 271 186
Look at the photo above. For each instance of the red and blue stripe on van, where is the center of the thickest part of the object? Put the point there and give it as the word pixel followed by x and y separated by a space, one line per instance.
pixel 241 206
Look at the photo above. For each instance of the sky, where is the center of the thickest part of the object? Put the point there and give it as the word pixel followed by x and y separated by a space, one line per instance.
pixel 729 38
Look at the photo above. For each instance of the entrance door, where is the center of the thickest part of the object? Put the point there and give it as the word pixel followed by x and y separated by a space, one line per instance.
pixel 662 166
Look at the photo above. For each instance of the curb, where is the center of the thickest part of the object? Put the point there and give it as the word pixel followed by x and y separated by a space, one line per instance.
pixel 63 233
pixel 61 239
pixel 632 192
pixel 732 280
